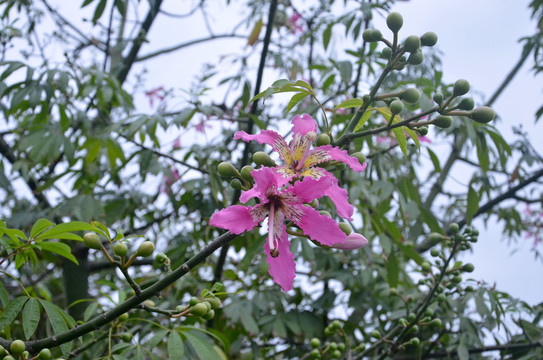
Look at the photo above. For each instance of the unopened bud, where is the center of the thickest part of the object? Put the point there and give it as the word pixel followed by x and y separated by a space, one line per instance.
pixel 482 114
pixel 146 249
pixel 323 139
pixel 226 169
pixel 236 184
pixel 246 173
pixel 263 159
pixel 346 228
pixel 353 241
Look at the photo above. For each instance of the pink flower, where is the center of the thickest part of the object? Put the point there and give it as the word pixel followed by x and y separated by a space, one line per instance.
pixel 352 242
pixel 169 179
pixel 293 25
pixel 277 204
pixel 301 161
pixel 156 93
pixel 176 144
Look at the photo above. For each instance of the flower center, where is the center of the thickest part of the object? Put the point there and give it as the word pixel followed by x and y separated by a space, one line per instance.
pixel 309 138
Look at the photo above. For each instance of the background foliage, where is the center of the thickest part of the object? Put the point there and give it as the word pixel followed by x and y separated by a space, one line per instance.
pixel 88 146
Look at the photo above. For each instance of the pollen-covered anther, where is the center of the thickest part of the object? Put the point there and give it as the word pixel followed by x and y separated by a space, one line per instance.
pixel 311 136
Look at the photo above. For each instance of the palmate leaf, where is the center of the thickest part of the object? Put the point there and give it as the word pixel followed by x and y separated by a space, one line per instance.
pixel 176 349
pixel 11 311
pixel 31 317
pixel 59 321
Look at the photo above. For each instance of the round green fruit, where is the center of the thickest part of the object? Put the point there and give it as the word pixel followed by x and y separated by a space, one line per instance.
pixel 375 334
pixel 423 130
pixel 434 252
pixel 376 35
pixel 17 347
pixel 394 21
pixel 414 341
pixel 428 39
pixel 336 324
pixel 396 106
pixel 443 121
pixel 386 53
pixel 466 104
pixel 412 43
pixel 120 249
pixel 366 35
pixel 92 241
pixel 438 98
pixel 436 323
pixel 468 268
pixel 193 301
pixel 315 343
pixel 461 87
pixel 226 169
pixel 416 58
pixel 410 96
pixel 454 228
pixel 360 156
pixel 482 114
pixel 323 139
pixel 146 249
pixel 45 354
pixel 126 336
pixel 336 354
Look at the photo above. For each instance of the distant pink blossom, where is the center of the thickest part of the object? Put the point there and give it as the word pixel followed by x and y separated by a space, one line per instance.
pixel 177 143
pixel 155 94
pixel 278 203
pixel 168 180
pixel 293 24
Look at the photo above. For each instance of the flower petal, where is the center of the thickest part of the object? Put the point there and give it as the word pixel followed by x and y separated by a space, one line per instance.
pixel 265 178
pixel 309 189
pixel 237 218
pixel 340 198
pixel 318 227
pixel 352 242
pixel 282 267
pixel 269 137
pixel 302 124
pixel 329 152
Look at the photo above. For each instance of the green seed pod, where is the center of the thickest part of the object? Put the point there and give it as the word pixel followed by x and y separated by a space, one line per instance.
pixel 92 241
pixel 346 228
pixel 394 21
pixel 246 173
pixel 323 139
pixel 396 106
pixel 386 53
pixel 193 301
pixel 468 268
pixel 423 130
pixel 328 331
pixel 414 341
pixel 341 166
pixel 214 302
pixel 341 347
pixel 236 184
pixel 45 354
pixel 332 346
pixel 413 330
pixel 314 203
pixel 161 258
pixel 469 288
pixel 126 337
pixel 436 237
pixel 315 343
pixel 436 323
pixel 426 267
pixel 466 104
pixel 146 249
pixel 482 114
pixel 263 159
pixel 443 121
pixel 376 35
pixel 123 317
pixel 336 354
pixel 410 96
pixel 375 334
pixel 199 309
pixel 324 212
pixel 336 324
pixel 461 87
pixel 438 98
pixel 207 305
pixel 226 169
pixel 441 297
pixel 120 249
pixel 315 354
pixel 434 252
pixel 403 322
pixel 411 317
pixel 17 347
pixel 366 35
pixel 428 39
pixel 457 279
pixel 412 43
pixel 416 58
pixel 361 157
pixel 209 315
pixel 149 303
pixel 454 228
pixel 429 312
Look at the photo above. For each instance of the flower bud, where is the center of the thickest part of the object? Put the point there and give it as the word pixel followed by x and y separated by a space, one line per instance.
pixel 149 303
pixel 482 114
pixel 454 228
pixel 323 139
pixel 416 58
pixel 346 228
pixel 92 241
pixel 246 173
pixel 324 212
pixel 360 156
pixel 366 35
pixel 423 130
pixel 386 53
pixel 394 21
pixel 412 43
pixel 375 334
pixel 414 341
pixel 263 159
pixel 353 241
pixel 214 302
pixel 396 106
pixel 236 184
pixel 199 309
pixel 161 258
pixel 434 252
pixel 336 354
pixel 226 169
pixel 443 121
pixel 468 268
pixel 438 98
pixel 314 203
pixel 120 249
pixel 461 87
pixel 428 39
pixel 209 315
pixel 410 96
pixel 436 323
pixel 466 104
pixel 146 249
pixel 426 267
pixel 375 35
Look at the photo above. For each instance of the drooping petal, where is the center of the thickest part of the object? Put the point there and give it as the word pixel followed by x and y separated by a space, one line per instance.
pixel 236 218
pixel 309 189
pixel 318 227
pixel 329 152
pixel 352 242
pixel 302 124
pixel 282 267
pixel 265 181
pixel 269 137
pixel 339 197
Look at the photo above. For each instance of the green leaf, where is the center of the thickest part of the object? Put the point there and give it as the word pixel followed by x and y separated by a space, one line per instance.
pixel 413 135
pixel 31 317
pixel 99 11
pixel 86 2
pixel 401 138
pixel 39 226
pixel 326 35
pixel 58 324
pixel 4 295
pixel 59 248
pixel 350 103
pixel 176 348
pixel 65 227
pixel 11 311
pixel 296 98
pixel 305 85
pixel 364 119
pixel 249 322
pixel 435 160
pixel 473 205
pixel 345 70
pixel 393 270
pixel 203 348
